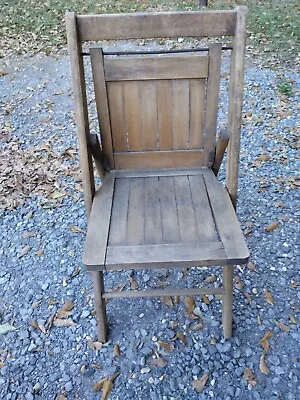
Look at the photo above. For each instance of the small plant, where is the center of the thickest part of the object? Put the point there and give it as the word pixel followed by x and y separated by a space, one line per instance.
pixel 285 87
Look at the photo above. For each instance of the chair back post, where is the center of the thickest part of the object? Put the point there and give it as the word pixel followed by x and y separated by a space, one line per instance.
pixel 235 102
pixel 81 111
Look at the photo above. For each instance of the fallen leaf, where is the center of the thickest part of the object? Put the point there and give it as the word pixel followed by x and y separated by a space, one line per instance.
pixel 199 384
pixel 166 346
pixel 36 304
pixel 159 362
pixel 75 272
pixel 247 231
pixel 282 326
pixel 251 266
pixel 197 327
pixel 263 157
pixel 117 351
pixel 39 252
pixel 238 283
pixel 63 322
pixel 197 312
pixel 42 328
pixel 181 337
pixel 76 229
pixel 63 314
pixel 57 194
pixel 272 226
pixel 49 323
pixel 210 279
pixel 2 365
pixel 263 366
pixel 176 299
pixel 133 283
pixel 4 328
pixel 68 306
pixel 107 388
pixel 52 300
pixel 264 341
pixel 99 385
pixel 205 299
pixel 268 297
pixel 24 251
pixel 61 397
pixel 95 366
pixel 2 72
pixel 27 235
pixel 98 345
pixel 247 296
pixel 189 304
pixel 34 324
pixel 293 320
pixel 294 284
pixel 249 376
pixel 167 300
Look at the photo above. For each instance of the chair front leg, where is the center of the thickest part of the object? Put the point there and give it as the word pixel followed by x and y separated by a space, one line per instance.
pixel 98 282
pixel 227 300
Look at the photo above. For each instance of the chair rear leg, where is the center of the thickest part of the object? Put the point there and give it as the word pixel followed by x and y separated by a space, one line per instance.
pixel 227 300
pixel 98 282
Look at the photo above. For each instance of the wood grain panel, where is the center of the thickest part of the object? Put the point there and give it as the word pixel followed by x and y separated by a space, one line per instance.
pixel 156 24
pixel 153 230
pixel 148 115
pixel 132 115
pixel 136 212
pixel 117 116
pixel 165 114
pixel 197 113
pixel 169 219
pixel 181 113
pixel 118 222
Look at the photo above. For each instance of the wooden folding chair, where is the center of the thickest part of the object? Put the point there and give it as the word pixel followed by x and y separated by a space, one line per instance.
pixel 160 204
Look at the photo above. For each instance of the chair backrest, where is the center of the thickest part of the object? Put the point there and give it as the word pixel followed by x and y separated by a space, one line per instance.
pixel 161 111
pixel 157 111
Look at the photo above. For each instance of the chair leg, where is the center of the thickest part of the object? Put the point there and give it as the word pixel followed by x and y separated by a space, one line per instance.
pixel 227 300
pixel 98 282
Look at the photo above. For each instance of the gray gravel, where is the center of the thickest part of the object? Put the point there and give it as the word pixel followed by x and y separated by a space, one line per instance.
pixel 39 366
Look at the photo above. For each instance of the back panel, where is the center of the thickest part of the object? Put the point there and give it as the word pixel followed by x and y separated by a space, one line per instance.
pixel 162 110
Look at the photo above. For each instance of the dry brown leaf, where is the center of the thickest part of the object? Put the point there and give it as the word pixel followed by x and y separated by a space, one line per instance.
pixel 247 296
pixel 251 266
pixel 39 252
pixel 167 300
pixel 63 314
pixel 199 384
pixel 197 313
pixel 2 365
pixel 213 341
pixel 293 320
pixel 63 322
pixel 197 327
pixel 58 194
pixel 99 385
pixel 268 297
pixel 249 376
pixel 27 235
pixel 75 272
pixel 247 231
pixel 282 326
pixel 205 299
pixel 264 341
pixel 97 345
pixel 238 283
pixel 166 346
pixel 61 397
pixel 263 366
pixel 133 283
pixel 24 251
pixel 117 351
pixel 107 388
pixel 210 279
pixel 34 324
pixel 176 299
pixel 263 157
pixel 49 323
pixel 189 304
pixel 76 229
pixel 95 366
pixel 159 362
pixel 294 284
pixel 181 337
pixel 68 306
pixel 2 72
pixel 36 304
pixel 272 226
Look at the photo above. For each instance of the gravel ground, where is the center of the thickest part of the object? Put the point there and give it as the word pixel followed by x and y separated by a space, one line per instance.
pixel 38 362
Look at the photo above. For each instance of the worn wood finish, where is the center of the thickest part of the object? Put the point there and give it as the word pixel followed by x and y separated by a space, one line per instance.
pixel 143 173
pixel 235 102
pixel 159 159
pixel 168 207
pixel 153 67
pixel 227 300
pixel 225 218
pixel 197 113
pixel 211 115
pixel 163 292
pixel 136 213
pixel 119 216
pixel 181 113
pixel 164 114
pixel 81 111
pixel 98 227
pixel 153 256
pixel 98 283
pixel 96 151
pixel 102 103
pixel 115 93
pixel 221 147
pixel 148 115
pixel 155 25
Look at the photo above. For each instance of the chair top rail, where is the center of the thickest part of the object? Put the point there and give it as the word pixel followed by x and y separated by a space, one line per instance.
pixel 156 25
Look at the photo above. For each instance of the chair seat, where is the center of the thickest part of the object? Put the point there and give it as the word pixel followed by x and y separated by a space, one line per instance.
pixel 162 218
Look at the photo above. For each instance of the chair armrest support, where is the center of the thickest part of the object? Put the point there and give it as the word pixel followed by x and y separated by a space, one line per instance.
pixel 222 144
